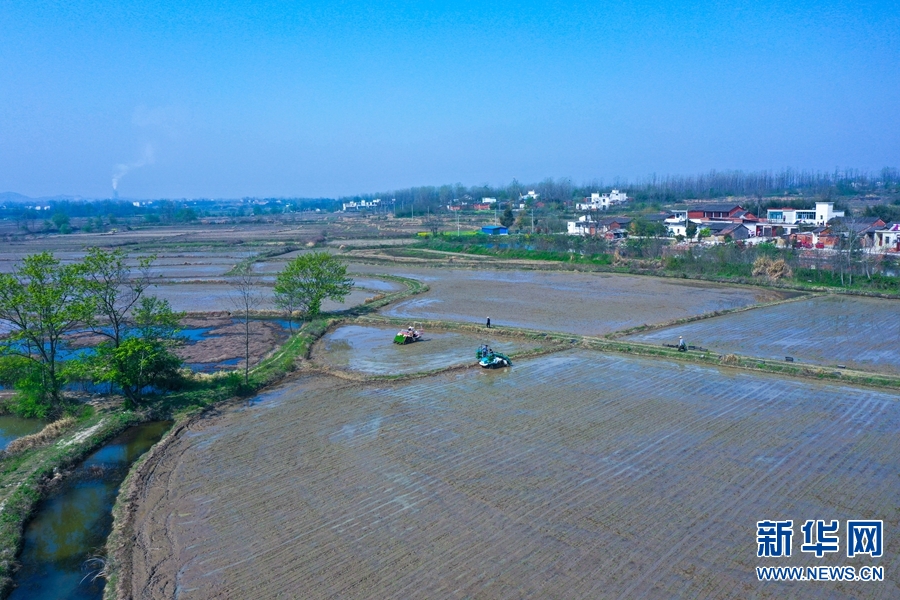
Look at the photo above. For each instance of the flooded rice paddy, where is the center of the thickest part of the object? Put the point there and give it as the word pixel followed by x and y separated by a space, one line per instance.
pixel 370 349
pixel 213 297
pixel 577 474
pixel 71 526
pixel 580 303
pixel 860 333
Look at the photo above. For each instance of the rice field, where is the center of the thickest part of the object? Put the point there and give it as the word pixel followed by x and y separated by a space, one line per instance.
pixel 370 349
pixel 212 297
pixel 580 303
pixel 860 333
pixel 575 475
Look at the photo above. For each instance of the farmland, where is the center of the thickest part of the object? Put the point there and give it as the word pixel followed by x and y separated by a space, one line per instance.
pixel 574 475
pixel 581 303
pixel 861 333
pixel 394 471
pixel 367 349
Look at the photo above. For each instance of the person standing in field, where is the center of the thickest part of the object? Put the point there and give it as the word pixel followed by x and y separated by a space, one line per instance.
pixel 488 322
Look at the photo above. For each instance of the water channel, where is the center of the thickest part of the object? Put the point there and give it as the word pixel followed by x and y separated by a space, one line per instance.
pixel 71 526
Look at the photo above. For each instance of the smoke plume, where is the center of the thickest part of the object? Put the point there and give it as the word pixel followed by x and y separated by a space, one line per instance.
pixel 124 168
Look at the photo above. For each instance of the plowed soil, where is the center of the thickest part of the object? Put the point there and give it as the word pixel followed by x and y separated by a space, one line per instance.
pixel 581 303
pixel 576 475
pixel 860 333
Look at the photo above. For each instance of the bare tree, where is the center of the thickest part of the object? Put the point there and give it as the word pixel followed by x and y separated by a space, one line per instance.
pixel 247 300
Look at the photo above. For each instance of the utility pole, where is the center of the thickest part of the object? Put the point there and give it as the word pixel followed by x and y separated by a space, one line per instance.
pixel 457 223
pixel 532 221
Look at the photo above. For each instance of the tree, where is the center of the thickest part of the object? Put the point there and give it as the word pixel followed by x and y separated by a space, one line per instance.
pixel 136 365
pixel 308 280
pixel 60 220
pixel 507 218
pixel 112 290
pixel 690 230
pixel 433 223
pixel 142 360
pixel 248 298
pixel 43 300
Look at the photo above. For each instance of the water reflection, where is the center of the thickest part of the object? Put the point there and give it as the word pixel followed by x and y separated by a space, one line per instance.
pixel 72 525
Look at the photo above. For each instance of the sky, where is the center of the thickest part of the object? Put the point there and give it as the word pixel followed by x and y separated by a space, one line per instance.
pixel 227 98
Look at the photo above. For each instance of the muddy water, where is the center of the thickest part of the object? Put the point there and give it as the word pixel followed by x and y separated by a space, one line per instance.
pixel 582 303
pixel 860 333
pixel 72 525
pixel 371 350
pixel 203 297
pixel 15 427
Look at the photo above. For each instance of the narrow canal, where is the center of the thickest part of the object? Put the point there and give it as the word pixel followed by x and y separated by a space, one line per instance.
pixel 71 526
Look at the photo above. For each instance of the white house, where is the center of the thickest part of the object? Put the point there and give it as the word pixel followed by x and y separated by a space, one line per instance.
pixel 489 201
pixel 823 213
pixel 887 238
pixel 583 226
pixel 599 201
pixel 362 204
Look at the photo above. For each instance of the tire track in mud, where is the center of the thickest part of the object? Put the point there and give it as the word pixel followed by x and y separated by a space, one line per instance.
pixel 580 474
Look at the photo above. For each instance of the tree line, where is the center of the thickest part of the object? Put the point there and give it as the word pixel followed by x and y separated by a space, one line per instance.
pixel 417 201
pixel 94 322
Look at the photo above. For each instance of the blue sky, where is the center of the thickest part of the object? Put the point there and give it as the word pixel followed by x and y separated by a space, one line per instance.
pixel 228 99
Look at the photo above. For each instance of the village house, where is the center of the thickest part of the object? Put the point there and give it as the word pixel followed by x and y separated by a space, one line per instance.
pixel 714 211
pixel 792 218
pixel 611 227
pixel 887 238
pixel 725 231
pixel 356 206
pixel 584 226
pixel 599 201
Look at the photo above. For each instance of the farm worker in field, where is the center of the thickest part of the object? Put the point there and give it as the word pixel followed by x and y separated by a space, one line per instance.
pixel 682 347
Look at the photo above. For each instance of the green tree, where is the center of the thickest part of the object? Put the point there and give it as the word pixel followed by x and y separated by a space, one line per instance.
pixel 60 219
pixel 507 218
pixel 691 230
pixel 113 290
pixel 308 280
pixel 43 300
pixel 143 359
pixel 136 365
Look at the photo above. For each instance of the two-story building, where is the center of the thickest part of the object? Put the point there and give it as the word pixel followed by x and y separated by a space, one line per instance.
pixel 599 201
pixel 791 218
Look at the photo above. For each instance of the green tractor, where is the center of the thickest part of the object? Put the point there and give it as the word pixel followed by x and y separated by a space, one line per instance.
pixel 488 359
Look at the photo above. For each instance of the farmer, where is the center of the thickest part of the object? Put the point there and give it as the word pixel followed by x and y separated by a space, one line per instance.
pixel 488 322
pixel 682 347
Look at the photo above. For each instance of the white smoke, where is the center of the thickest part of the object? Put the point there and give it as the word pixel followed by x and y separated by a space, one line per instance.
pixel 123 169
